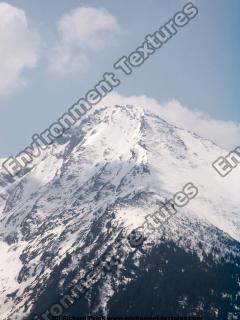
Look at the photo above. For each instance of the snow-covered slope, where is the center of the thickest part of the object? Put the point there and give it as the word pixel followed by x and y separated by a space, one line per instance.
pixel 107 173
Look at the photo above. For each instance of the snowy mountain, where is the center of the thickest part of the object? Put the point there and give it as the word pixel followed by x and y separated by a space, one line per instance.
pixel 104 175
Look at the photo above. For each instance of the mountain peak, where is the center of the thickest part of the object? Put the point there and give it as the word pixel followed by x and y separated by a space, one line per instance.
pixel 109 170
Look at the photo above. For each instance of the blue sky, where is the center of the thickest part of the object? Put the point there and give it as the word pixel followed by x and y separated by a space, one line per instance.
pixel 198 68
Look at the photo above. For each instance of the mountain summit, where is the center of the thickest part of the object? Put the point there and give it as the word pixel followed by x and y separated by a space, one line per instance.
pixel 107 174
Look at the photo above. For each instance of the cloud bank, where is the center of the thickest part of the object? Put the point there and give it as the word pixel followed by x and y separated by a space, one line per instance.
pixel 226 134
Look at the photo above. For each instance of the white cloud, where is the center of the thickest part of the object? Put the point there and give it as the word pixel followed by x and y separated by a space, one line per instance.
pixel 83 30
pixel 224 133
pixel 19 47
pixel 63 61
